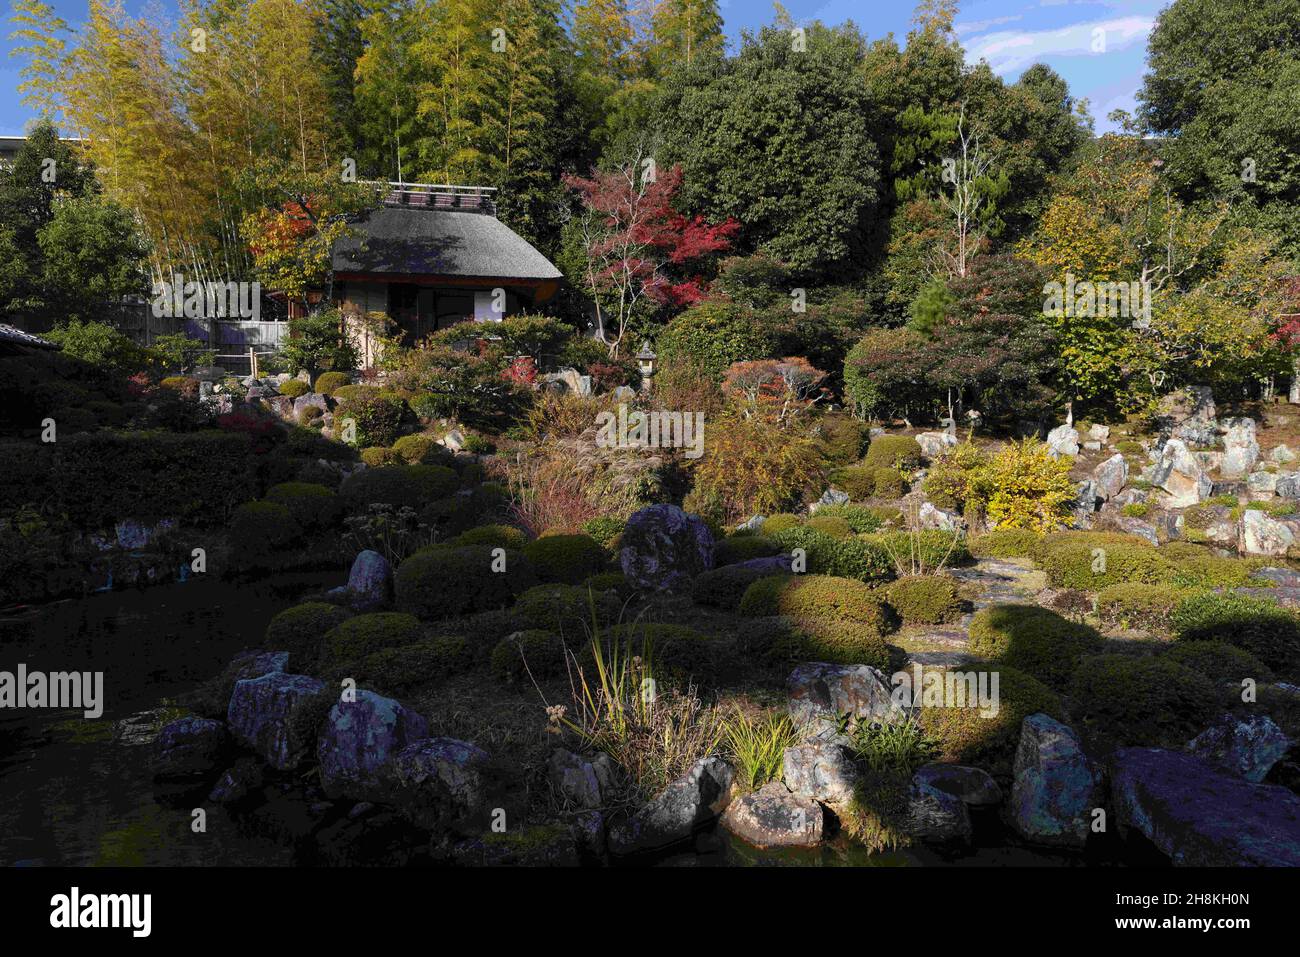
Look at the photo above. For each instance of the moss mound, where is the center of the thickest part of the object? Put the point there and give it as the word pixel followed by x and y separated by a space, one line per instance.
pixel 1034 640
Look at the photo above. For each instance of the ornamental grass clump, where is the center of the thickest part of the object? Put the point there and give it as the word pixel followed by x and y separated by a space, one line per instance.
pixel 757 744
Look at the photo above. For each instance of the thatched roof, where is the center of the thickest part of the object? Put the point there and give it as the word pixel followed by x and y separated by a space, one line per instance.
pixel 439 242
pixel 10 335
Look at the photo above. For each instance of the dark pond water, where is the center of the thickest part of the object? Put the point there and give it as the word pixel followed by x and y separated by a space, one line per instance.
pixel 70 795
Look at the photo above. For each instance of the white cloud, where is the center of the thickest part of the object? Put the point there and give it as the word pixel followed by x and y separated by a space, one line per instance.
pixel 1007 51
pixel 977 26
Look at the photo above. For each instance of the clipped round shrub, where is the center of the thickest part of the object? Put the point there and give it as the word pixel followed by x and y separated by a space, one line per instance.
pixel 1198 567
pixel 1005 543
pixel 615 582
pixel 857 481
pixel 565 558
pixel 1143 607
pixel 741 548
pixel 925 599
pixel 931 547
pixel 604 529
pixel 1091 566
pixel 860 518
pixel 423 449
pixel 534 651
pixel 314 506
pixel 1218 661
pixel 1034 640
pixel 860 558
pixel 299 630
pixel 831 525
pixel 378 457
pixel 673 652
pixel 840 641
pixel 1126 700
pixel 500 536
pixel 724 587
pixel 328 383
pixel 894 452
pixel 411 485
pixel 444 582
pixel 806 597
pixel 293 388
pixel 257 527
pixel 890 484
pixel 843 439
pixel 311 416
pixel 566 609
pixel 363 635
pixel 989 740
pixel 1258 625
pixel 780 522
pixel 419 663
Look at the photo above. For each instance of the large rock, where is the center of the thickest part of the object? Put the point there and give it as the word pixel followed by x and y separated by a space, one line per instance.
pixel 440 783
pixel 935 815
pixel 1247 746
pixel 1262 484
pixel 833 496
pixel 1189 415
pixel 189 748
pixel 1181 476
pixel 579 781
pixel 663 548
pixel 359 737
pixel 1055 788
pixel 930 516
pixel 1240 448
pixel 1263 535
pixel 689 802
pixel 773 817
pixel 769 564
pixel 309 400
pixel 370 583
pixel 1282 454
pixel 1110 477
pixel 820 694
pixel 1202 816
pixel 270 716
pixel 1063 440
pixel 933 443
pixel 1131 525
pixel 971 786
pixel 1287 485
pixel 820 771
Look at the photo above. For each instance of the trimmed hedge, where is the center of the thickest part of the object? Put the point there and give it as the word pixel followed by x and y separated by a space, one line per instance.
pixel 894 452
pixel 1128 701
pixel 1072 564
pixel 965 736
pixel 674 653
pixel 925 599
pixel 1005 543
pixel 419 663
pixel 1144 607
pixel 741 548
pixel 861 558
pixel 1034 640
pixel 807 597
pixel 890 484
pixel 566 609
pixel 98 479
pixel 843 439
pixel 858 481
pixel 314 506
pixel 300 629
pixel 861 518
pixel 377 457
pixel 566 559
pixel 535 651
pixel 423 449
pixel 260 528
pixel 293 388
pixel 363 635
pixel 841 641
pixel 724 587
pixel 780 522
pixel 502 536
pixel 1218 661
pixel 1258 625
pixel 439 583
pixel 930 546
pixel 328 382
pixel 831 525
pixel 412 485
pixel 615 582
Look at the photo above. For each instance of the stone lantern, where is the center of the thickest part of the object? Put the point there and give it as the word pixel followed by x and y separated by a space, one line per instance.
pixel 646 359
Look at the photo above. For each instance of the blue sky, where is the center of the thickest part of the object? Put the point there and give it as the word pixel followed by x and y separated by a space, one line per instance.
pixel 1010 34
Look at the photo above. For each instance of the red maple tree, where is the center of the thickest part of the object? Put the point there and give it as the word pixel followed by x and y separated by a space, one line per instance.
pixel 638 247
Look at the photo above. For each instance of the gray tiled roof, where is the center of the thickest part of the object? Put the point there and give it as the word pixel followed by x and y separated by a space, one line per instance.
pixel 440 243
pixel 10 334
